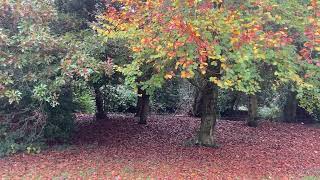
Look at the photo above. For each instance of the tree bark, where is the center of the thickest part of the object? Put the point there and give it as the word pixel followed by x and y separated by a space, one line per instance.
pixel 290 108
pixel 196 107
pixel 208 114
pixel 139 102
pixel 144 107
pixel 100 113
pixel 253 111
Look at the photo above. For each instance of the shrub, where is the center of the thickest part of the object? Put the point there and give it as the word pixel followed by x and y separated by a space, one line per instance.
pixel 20 127
pixel 84 101
pixel 119 98
pixel 269 112
pixel 60 119
pixel 225 100
pixel 166 99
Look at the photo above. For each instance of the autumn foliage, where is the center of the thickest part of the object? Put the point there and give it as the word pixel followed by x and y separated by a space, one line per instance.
pixel 224 43
pixel 57 57
pixel 184 38
pixel 312 32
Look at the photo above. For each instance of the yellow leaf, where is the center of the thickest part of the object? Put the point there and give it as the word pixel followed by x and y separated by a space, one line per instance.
pixel 171 54
pixel 228 82
pixel 223 66
pixel 234 40
pixel 169 75
pixel 214 80
pixel 136 49
pixel 278 17
pixel 311 20
pixel 159 48
pixel 170 45
pixel 185 74
pixel 223 59
pixel 212 57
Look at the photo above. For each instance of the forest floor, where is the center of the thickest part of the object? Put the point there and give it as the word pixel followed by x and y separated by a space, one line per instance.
pixel 119 148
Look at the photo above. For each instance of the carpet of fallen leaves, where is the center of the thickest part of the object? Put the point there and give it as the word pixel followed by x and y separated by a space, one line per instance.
pixel 119 148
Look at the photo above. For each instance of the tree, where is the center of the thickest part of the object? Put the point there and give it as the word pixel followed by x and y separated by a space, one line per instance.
pixel 38 68
pixel 31 78
pixel 73 23
pixel 75 15
pixel 252 110
pixel 310 52
pixel 222 43
pixel 301 18
pixel 89 62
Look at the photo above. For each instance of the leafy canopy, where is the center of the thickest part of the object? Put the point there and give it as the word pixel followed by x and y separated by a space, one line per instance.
pixel 189 37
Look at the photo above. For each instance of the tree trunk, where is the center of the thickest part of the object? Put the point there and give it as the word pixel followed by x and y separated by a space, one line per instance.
pixel 208 114
pixel 290 108
pixel 144 107
pixel 252 111
pixel 100 113
pixel 139 102
pixel 196 107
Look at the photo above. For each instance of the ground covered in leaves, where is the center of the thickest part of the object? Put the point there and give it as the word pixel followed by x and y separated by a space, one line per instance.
pixel 119 148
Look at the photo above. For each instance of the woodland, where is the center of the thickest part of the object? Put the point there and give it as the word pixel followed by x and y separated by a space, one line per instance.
pixel 160 89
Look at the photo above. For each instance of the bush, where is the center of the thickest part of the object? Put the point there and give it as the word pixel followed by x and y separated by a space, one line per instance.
pixel 20 126
pixel 119 98
pixel 166 99
pixel 25 126
pixel 269 112
pixel 7 142
pixel 60 119
pixel 316 115
pixel 31 83
pixel 225 100
pixel 21 133
pixel 84 101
